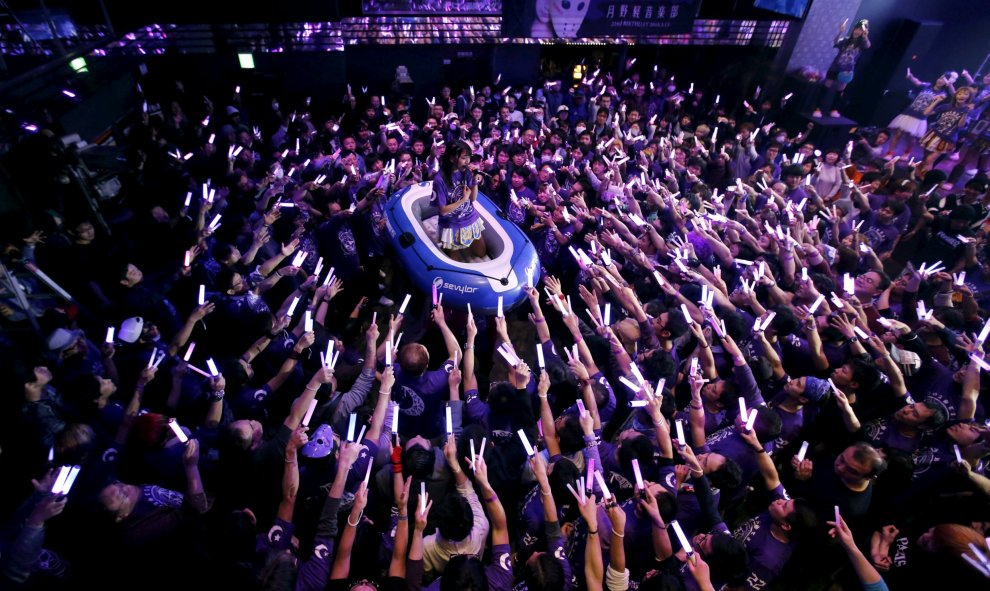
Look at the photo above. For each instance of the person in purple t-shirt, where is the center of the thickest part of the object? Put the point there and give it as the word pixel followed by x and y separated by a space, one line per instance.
pixel 455 189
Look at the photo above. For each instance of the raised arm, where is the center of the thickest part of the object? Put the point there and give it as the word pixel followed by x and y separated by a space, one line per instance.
pixel 301 404
pixel 290 474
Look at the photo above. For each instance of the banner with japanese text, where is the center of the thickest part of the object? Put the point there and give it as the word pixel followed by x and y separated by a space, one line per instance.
pixel 571 19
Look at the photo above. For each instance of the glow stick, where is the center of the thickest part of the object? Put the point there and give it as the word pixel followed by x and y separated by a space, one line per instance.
pixel 960 279
pixel 299 258
pixel 179 433
pixel 70 479
pixel 212 367
pixel 581 409
pixel 979 567
pixel 360 436
pixel 309 413
pixel 188 199
pixel 637 403
pixel 638 474
pixel 980 363
pixel 481 451
pixel 606 494
pixel 848 285
pixel 110 332
pixel 187 259
pixel 199 371
pixel 804 273
pixel 539 356
pixel 752 420
pixel 63 473
pixel 216 221
pixel 51 454
pixel 308 322
pixel 422 497
pixel 814 306
pixel 629 384
pixel 687 315
pixel 768 320
pixel 861 333
pixel 351 424
pixel 838 518
pixel 473 454
pixel 680 433
pixel 500 314
pixel 329 356
pixel 388 351
pixel 660 385
pixel 151 360
pixel 395 418
pixel 984 333
pixel 434 295
pixel 511 359
pixel 636 373
pixel 742 408
pixel 685 544
pixel 405 302
pixel 292 306
pixel 608 314
pixel 530 452
pixel 955 448
pixel 202 295
pixel 802 452
pixel 658 277
pixel 450 420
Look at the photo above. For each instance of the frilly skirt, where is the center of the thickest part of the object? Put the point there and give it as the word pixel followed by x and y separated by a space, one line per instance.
pixel 461 238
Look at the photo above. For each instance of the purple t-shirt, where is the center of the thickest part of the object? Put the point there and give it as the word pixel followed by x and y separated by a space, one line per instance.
pixel 767 554
pixel 445 194
pixel 419 399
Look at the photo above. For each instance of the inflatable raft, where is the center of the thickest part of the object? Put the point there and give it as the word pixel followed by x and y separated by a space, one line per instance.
pixel 512 260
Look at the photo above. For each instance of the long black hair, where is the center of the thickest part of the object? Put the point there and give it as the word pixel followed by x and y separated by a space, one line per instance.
pixel 450 157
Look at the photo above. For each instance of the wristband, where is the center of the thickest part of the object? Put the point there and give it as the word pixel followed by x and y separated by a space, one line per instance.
pixel 218 395
pixel 539 320
pixel 403 518
pixel 492 499
pixel 592 533
pixel 396 467
pixel 360 515
pixel 616 533
pixel 295 355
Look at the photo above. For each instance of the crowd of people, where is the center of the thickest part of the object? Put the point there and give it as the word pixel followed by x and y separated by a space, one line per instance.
pixel 750 361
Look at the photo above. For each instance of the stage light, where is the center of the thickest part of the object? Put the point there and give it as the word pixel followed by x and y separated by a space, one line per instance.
pixel 79 65
pixel 246 60
pixel 579 71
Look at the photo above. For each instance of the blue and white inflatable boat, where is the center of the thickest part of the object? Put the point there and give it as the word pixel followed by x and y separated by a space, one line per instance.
pixel 513 259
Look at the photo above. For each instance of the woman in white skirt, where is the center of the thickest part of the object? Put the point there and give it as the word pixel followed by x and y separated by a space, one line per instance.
pixel 912 123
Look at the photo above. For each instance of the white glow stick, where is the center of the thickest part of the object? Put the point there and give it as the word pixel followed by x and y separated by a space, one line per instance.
pixel 960 279
pixel 838 518
pixel 405 302
pixel 861 333
pixel 199 371
pixel 450 420
pixel 979 567
pixel 179 433
pixel 955 448
pixel 422 497
pixel 51 454
pixel 768 320
pixel 216 221
pixel 511 359
pixel 637 403
pixel 351 425
pixel 606 494
pixel 360 436
pixel 814 306
pixel 212 367
pixel 687 315
pixel 202 295
pixel 308 322
pixel 636 373
pixel 188 199
pixel 680 433
pixel 388 351
pixel 685 544
pixel 63 473
pixel 530 452
pixel 151 360
pixel 500 314
pixel 751 420
pixel 581 409
pixel 802 452
pixel 70 479
pixel 309 413
pixel 979 362
pixel 629 384
pixel 848 285
pixel 984 333
pixel 110 333
pixel 292 306
pixel 299 258
pixel 638 474
pixel 329 356
pixel 539 356
pixel 608 314
pixel 189 352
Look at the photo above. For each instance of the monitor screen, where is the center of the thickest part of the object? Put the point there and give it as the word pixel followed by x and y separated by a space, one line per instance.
pixel 795 8
pixel 428 7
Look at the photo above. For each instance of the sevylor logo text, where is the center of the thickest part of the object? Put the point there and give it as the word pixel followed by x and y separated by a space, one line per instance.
pixel 441 284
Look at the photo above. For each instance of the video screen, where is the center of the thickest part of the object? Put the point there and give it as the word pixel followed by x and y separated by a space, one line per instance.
pixel 427 7
pixel 795 8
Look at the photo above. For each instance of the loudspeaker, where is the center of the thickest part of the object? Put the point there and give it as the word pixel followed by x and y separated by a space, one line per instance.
pixel 879 91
